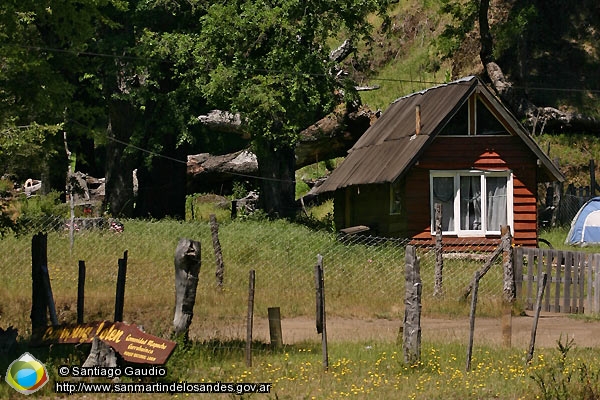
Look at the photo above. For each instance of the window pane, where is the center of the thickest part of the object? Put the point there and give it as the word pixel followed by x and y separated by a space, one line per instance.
pixel 470 203
pixel 443 193
pixel 496 203
pixel 487 124
pixel 396 197
pixel 459 123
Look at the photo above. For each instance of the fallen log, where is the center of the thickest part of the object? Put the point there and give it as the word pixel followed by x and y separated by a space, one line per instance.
pixel 538 119
pixel 330 137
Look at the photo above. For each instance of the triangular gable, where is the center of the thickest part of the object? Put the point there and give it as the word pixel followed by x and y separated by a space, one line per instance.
pixel 391 145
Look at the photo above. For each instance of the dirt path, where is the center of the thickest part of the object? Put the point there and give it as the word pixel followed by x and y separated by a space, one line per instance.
pixel 487 330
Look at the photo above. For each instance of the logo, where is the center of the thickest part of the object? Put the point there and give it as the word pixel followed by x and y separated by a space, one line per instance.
pixel 26 374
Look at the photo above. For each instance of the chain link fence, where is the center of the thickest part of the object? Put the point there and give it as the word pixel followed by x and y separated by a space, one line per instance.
pixel 364 275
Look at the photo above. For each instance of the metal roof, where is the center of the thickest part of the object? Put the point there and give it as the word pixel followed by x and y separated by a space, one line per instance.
pixel 391 146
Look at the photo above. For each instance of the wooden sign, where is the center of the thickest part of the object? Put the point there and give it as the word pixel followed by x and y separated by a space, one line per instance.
pixel 127 340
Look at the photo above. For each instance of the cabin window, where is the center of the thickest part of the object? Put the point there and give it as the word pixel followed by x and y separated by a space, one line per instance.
pixel 396 189
pixel 473 118
pixel 473 202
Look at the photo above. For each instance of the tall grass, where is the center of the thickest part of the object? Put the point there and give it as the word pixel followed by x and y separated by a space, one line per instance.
pixel 362 280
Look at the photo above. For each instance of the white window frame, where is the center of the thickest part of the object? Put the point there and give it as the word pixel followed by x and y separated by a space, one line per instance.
pixel 456 175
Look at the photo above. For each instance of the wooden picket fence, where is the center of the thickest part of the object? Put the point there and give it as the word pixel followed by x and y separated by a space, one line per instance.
pixel 573 279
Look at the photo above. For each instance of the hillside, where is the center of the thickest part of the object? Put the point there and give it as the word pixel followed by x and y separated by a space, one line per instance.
pixel 549 51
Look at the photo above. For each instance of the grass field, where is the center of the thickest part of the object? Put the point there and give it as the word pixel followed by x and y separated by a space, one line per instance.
pixel 362 281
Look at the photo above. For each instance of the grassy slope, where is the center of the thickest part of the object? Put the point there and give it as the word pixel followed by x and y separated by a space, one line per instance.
pixel 406 60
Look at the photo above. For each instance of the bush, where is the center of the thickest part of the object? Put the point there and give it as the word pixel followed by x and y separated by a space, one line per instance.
pixel 41 213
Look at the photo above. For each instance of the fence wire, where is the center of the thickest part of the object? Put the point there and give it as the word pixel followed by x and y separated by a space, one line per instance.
pixel 364 275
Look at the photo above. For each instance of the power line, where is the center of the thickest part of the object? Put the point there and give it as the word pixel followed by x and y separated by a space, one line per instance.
pixel 86 53
pixel 294 73
pixel 158 155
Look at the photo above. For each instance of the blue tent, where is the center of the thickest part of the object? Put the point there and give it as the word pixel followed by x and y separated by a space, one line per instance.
pixel 585 227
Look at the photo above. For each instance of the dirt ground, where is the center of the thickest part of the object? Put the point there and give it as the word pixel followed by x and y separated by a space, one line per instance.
pixel 487 330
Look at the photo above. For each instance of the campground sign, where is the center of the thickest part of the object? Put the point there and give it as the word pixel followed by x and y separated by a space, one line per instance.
pixel 128 340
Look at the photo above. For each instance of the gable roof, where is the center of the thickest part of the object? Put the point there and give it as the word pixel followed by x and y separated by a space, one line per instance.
pixel 391 146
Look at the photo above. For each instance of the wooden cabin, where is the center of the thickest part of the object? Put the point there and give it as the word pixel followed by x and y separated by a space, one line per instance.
pixel 456 145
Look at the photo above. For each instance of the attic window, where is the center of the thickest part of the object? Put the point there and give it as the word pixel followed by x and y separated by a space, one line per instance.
pixel 473 118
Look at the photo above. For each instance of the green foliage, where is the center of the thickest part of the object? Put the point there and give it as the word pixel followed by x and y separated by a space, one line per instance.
pixel 41 212
pixel 199 207
pixel 510 33
pixel 25 150
pixel 563 379
pixel 239 190
pixel 463 14
pixel 270 62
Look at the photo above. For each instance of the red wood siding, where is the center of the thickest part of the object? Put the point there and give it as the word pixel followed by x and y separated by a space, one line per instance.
pixel 486 153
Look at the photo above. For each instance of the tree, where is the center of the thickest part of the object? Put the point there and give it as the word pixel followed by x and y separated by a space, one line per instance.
pixel 534 41
pixel 90 68
pixel 269 62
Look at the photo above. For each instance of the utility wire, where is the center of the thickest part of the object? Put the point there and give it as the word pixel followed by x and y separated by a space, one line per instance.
pixel 155 154
pixel 291 73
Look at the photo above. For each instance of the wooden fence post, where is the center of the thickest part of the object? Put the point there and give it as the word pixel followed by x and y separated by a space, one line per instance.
pixel 120 295
pixel 275 334
pixel 475 286
pixel 321 316
pixel 438 290
pixel 593 288
pixel 593 184
pixel 556 198
pixel 233 209
pixel 412 308
pixel 39 301
pixel 220 267
pixel 49 296
pixel 536 318
pixel 250 318
pixel 187 267
pixel 80 291
pixel 508 286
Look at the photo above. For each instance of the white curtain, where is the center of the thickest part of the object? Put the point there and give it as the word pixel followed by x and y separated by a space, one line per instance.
pixel 443 193
pixel 470 202
pixel 496 202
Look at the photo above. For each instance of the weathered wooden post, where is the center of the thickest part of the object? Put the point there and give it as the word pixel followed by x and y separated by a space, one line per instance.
pixel 187 267
pixel 475 286
pixel 233 209
pixel 101 355
pixel 49 295
pixel 321 318
pixel 557 191
pixel 120 294
pixel 275 334
pixel 508 286
pixel 438 290
pixel 412 308
pixel 220 268
pixel 250 318
pixel 593 184
pixel 39 301
pixel 80 292
pixel 536 318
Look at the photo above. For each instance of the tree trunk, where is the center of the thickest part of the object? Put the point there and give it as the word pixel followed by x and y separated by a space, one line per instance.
pixel 119 170
pixel 487 44
pixel 327 138
pixel 535 117
pixel 162 188
pixel 276 169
